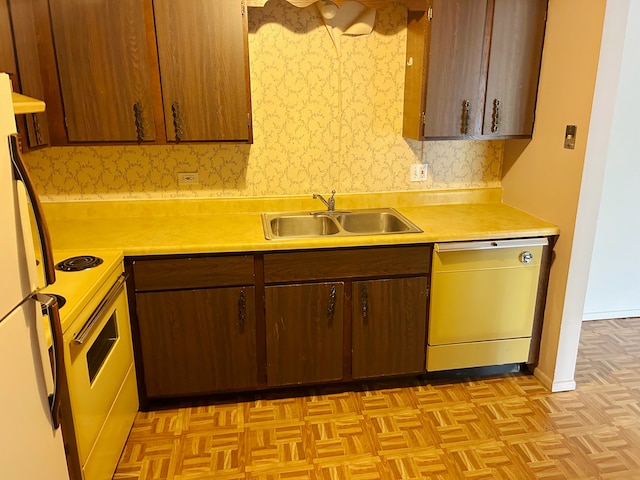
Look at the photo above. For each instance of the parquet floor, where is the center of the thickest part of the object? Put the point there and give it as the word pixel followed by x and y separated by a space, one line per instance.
pixel 505 427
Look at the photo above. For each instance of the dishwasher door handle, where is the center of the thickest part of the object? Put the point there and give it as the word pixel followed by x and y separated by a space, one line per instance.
pixel 489 245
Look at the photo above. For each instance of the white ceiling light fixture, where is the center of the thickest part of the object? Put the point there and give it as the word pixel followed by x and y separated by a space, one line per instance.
pixel 327 8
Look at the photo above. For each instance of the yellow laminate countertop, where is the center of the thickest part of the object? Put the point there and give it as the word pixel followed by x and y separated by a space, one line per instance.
pixel 185 226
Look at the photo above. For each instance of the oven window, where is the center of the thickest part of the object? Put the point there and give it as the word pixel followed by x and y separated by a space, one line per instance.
pixel 103 344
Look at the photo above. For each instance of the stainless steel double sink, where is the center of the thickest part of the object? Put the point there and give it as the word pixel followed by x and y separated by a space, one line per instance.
pixel 377 221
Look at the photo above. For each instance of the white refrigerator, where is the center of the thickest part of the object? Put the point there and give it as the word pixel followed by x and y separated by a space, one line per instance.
pixel 31 444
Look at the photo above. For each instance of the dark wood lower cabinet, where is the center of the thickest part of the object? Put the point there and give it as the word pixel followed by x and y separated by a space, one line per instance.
pixel 304 330
pixel 197 341
pixel 388 325
pixel 224 323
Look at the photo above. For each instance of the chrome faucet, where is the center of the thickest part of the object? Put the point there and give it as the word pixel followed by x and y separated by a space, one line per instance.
pixel 331 203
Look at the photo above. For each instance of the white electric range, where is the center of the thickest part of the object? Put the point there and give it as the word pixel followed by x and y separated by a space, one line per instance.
pixel 98 354
pixel 86 286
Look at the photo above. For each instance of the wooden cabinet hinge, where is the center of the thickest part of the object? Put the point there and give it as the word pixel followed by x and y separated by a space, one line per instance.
pixel 243 7
pixel 430 13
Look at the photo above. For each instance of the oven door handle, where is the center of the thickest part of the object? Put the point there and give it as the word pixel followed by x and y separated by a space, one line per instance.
pixel 113 292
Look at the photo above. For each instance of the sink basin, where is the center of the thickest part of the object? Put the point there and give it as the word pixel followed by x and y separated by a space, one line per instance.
pixel 374 222
pixel 377 221
pixel 305 225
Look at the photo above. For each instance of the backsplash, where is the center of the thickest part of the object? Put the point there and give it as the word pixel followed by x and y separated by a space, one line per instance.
pixel 321 121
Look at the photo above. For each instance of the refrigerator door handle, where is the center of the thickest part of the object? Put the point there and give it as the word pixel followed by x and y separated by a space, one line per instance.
pixel 56 363
pixel 22 175
pixel 50 303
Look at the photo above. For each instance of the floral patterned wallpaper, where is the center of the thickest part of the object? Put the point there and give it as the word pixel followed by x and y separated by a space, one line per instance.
pixel 321 120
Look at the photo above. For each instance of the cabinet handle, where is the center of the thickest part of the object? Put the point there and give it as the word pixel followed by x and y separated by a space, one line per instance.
pixel 466 117
pixel 36 127
pixel 332 303
pixel 137 112
pixel 364 302
pixel 242 310
pixel 495 118
pixel 177 125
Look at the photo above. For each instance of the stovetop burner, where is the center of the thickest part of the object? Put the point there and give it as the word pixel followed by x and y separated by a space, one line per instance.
pixel 61 301
pixel 77 264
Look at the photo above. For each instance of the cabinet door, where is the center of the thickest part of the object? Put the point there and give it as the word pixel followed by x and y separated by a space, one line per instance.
pixel 304 333
pixel 197 341
pixel 204 69
pixel 30 79
pixel 389 323
pixel 455 93
pixel 102 59
pixel 516 50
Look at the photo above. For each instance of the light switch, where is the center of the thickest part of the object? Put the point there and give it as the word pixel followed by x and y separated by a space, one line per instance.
pixel 570 137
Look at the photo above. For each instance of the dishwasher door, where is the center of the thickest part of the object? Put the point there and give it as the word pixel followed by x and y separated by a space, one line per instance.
pixel 483 300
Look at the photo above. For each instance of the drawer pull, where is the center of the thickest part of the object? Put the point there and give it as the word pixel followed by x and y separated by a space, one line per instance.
pixel 97 314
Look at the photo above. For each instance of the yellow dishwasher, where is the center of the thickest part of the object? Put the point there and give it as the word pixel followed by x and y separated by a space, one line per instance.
pixel 483 299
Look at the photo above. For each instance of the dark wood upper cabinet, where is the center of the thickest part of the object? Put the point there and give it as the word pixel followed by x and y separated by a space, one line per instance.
pixel 457 36
pixel 145 70
pixel 472 69
pixel 204 68
pixel 512 83
pixel 19 56
pixel 103 66
pixel 7 57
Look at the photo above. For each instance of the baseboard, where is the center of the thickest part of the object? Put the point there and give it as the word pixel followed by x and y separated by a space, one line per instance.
pixel 543 377
pixel 554 386
pixel 563 386
pixel 610 315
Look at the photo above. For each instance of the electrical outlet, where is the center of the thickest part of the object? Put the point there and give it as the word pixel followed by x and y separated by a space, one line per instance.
pixel 418 172
pixel 188 178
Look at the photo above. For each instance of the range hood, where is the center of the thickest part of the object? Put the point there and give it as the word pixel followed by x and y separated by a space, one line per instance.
pixel 24 104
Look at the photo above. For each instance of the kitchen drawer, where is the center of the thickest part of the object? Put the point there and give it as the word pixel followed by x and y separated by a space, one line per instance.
pixel 193 272
pixel 467 355
pixel 346 263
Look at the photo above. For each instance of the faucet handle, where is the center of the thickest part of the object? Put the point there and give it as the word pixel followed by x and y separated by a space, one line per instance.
pixel 332 201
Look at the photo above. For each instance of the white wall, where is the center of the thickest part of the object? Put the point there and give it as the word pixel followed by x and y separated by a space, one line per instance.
pixel 614 279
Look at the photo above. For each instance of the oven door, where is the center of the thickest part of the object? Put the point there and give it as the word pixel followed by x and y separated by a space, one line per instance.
pixel 99 357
